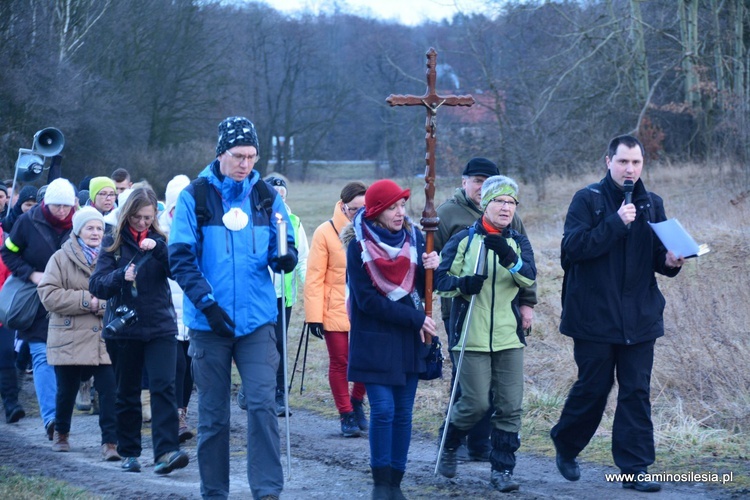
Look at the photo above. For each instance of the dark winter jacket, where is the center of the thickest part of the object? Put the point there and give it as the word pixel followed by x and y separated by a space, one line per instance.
pixel 27 249
pixel 152 300
pixel 610 293
pixel 384 343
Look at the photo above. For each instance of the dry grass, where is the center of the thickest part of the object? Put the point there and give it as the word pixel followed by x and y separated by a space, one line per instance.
pixel 700 384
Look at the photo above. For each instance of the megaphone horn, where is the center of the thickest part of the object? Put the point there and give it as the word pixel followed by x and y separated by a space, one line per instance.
pixel 48 142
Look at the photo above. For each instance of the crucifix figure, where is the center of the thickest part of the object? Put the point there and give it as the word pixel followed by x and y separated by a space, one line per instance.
pixel 431 101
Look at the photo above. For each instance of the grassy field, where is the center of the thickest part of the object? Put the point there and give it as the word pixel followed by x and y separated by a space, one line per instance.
pixel 700 383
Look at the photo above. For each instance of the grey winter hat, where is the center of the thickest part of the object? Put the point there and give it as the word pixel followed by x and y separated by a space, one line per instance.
pixel 236 131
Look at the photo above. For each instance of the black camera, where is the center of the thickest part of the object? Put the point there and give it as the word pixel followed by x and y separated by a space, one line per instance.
pixel 125 317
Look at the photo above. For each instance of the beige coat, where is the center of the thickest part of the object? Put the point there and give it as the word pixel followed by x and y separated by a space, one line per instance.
pixel 74 336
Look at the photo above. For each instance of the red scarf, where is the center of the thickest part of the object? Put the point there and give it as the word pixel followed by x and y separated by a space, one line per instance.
pixel 490 229
pixel 138 237
pixel 59 225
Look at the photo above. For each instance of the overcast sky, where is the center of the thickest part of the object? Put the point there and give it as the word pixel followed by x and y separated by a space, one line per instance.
pixel 406 11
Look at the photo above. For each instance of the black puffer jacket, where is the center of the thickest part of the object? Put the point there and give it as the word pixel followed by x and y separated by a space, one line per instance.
pixel 610 293
pixel 152 300
pixel 27 249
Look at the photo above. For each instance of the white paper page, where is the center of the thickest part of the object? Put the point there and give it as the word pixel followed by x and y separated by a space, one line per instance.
pixel 676 239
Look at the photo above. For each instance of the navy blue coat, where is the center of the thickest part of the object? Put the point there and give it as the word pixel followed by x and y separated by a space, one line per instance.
pixel 31 243
pixel 610 293
pixel 153 303
pixel 384 342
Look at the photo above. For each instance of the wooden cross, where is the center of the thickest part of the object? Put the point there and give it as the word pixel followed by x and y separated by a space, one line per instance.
pixel 432 101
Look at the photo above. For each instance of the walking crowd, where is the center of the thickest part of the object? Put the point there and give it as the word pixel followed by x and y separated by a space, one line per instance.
pixel 140 302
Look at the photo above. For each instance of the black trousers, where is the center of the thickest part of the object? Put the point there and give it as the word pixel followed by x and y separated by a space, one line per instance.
pixel 69 379
pixel 632 431
pixel 158 356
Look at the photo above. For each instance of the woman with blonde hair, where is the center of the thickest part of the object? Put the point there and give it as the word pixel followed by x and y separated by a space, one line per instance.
pixel 133 269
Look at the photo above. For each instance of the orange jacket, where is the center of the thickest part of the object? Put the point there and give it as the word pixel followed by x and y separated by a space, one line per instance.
pixel 325 281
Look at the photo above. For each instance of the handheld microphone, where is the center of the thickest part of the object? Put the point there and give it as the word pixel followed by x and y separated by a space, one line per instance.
pixel 627 188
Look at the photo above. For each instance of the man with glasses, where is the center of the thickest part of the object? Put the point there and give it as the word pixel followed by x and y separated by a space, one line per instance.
pixel 455 215
pixel 613 310
pixel 231 311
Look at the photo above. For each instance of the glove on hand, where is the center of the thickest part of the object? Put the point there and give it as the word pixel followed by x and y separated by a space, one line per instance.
pixel 498 244
pixel 220 322
pixel 316 329
pixel 286 262
pixel 471 285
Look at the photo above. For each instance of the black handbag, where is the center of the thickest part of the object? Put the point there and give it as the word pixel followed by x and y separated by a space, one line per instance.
pixel 19 303
pixel 434 361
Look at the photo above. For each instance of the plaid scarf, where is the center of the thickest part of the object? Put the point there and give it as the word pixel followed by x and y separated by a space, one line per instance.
pixel 390 259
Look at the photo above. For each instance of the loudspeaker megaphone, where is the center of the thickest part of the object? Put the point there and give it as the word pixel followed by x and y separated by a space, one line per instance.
pixel 48 142
pixel 29 166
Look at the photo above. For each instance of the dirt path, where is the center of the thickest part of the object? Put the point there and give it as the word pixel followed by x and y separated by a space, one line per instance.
pixel 324 465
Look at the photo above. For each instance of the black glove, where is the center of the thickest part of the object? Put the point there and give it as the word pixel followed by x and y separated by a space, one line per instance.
pixel 316 329
pixel 286 262
pixel 220 322
pixel 498 244
pixel 471 285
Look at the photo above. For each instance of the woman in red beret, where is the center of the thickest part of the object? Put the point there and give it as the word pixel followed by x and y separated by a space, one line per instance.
pixel 385 266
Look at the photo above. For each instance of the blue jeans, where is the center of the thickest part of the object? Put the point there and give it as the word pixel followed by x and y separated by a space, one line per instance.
pixel 257 360
pixel 45 381
pixel 390 422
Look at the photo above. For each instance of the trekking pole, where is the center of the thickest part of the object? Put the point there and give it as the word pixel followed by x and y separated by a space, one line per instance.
pixel 281 232
pixel 305 328
pixel 479 268
pixel 304 361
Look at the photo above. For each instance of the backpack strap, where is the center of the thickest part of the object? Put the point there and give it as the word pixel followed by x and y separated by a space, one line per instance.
pixel 330 221
pixel 265 197
pixel 202 213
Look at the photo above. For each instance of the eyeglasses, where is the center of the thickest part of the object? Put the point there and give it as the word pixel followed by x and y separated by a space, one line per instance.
pixel 350 209
pixel 106 195
pixel 241 158
pixel 148 219
pixel 505 203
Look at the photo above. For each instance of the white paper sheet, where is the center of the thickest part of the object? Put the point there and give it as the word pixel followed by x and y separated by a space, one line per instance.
pixel 675 238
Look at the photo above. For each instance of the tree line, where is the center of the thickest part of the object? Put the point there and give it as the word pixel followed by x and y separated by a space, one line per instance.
pixel 143 85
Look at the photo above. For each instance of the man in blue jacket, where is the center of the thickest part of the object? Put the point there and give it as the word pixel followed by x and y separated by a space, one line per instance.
pixel 613 310
pixel 222 266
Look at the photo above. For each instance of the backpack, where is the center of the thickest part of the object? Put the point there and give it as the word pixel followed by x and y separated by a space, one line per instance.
pixel 203 214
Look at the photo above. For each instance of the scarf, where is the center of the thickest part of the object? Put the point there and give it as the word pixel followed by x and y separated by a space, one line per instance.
pixel 389 258
pixel 91 253
pixel 490 228
pixel 138 237
pixel 59 225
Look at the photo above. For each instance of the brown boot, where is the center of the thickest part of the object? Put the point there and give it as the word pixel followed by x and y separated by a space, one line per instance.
pixel 60 442
pixel 109 453
pixel 184 432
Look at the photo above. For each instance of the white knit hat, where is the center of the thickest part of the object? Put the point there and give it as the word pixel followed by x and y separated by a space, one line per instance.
pixel 83 215
pixel 177 184
pixel 60 192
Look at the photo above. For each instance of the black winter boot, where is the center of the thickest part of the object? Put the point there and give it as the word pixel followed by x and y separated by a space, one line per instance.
pixel 396 477
pixel 9 391
pixel 503 459
pixel 448 459
pixel 381 478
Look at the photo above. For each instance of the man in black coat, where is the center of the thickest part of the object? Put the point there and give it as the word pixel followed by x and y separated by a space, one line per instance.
pixel 613 310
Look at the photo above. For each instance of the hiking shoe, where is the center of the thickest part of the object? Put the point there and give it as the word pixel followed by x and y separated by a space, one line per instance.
pixel 241 400
pixel 61 442
pixel 642 485
pixel 49 428
pixel 83 398
pixel 130 464
pixel 109 452
pixel 15 415
pixel 280 406
pixel 359 413
pixel 171 461
pixel 448 463
pixel 568 467
pixel 349 427
pixel 183 433
pixel 503 482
